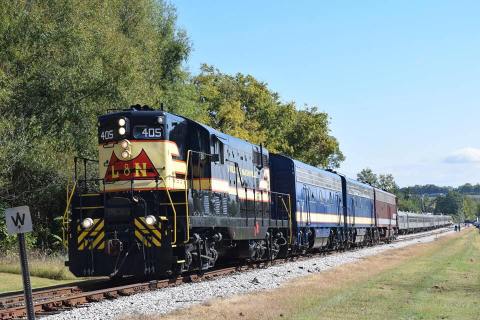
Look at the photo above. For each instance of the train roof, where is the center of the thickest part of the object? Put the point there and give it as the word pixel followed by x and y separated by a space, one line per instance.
pixel 148 112
pixel 384 196
pixel 358 188
pixel 309 174
pixel 306 173
pixel 305 166
pixel 413 214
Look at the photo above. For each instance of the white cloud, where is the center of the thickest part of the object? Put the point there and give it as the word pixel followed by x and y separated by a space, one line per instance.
pixel 464 155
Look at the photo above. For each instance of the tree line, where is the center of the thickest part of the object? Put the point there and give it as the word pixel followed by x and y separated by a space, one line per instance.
pixel 431 189
pixel 65 62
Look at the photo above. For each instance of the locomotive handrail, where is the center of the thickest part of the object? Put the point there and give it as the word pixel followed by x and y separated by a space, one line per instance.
pixel 289 213
pixel 290 219
pixel 187 216
pixel 66 221
pixel 174 211
pixel 85 160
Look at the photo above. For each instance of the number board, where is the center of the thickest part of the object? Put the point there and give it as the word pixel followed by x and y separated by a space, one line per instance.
pixel 106 135
pixel 146 132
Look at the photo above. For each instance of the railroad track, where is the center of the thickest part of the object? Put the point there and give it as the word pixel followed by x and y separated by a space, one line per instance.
pixel 60 298
pixel 422 234
pixel 54 300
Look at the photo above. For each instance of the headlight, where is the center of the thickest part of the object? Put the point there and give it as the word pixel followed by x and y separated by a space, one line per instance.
pixel 121 131
pixel 124 144
pixel 125 154
pixel 87 223
pixel 150 220
pixel 121 122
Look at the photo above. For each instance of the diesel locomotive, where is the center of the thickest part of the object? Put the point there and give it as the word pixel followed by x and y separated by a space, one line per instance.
pixel 172 195
pixel 169 195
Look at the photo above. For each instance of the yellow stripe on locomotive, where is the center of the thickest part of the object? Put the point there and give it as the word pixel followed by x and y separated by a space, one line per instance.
pixel 149 235
pixel 93 237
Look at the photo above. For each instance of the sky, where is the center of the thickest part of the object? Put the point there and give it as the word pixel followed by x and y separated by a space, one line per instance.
pixel 400 80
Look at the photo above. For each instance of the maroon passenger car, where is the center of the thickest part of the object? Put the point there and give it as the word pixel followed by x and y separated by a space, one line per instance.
pixel 386 214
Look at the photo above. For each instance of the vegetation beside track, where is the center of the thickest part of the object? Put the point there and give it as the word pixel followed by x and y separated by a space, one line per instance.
pixel 40 265
pixel 438 280
pixel 13 282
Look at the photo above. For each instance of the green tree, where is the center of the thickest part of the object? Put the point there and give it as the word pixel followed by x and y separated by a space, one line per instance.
pixel 62 64
pixel 367 176
pixel 244 107
pixel 451 203
pixel 387 182
pixel 409 202
pixel 309 139
pixel 469 207
pixel 65 62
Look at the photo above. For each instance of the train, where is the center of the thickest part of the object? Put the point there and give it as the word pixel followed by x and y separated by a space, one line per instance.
pixel 169 195
pixel 410 222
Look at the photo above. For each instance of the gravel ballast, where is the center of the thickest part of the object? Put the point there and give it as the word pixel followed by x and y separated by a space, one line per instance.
pixel 169 299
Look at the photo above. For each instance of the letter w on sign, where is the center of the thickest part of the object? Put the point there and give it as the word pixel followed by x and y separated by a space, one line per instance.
pixel 18 220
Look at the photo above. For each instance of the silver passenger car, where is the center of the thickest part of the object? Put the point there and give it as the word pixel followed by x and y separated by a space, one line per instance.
pixel 409 222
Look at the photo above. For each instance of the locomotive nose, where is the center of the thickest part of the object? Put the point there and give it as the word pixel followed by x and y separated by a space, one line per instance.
pixel 117 225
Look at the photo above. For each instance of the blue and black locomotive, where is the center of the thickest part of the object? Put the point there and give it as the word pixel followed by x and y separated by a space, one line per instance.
pixel 169 195
pixel 172 195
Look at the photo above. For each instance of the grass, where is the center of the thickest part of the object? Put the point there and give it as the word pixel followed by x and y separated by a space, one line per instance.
pixel 13 282
pixel 40 265
pixel 440 285
pixel 439 280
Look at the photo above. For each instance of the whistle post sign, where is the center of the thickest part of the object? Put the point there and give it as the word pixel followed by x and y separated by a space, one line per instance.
pixel 18 220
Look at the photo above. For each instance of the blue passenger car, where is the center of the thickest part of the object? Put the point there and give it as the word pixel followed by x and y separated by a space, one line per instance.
pixel 360 217
pixel 328 209
pixel 316 199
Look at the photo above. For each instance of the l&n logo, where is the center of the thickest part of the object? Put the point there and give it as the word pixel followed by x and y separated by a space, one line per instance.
pixel 138 168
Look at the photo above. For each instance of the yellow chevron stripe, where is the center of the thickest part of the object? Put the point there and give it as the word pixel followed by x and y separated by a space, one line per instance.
pixel 92 244
pixel 138 224
pixel 97 235
pixel 152 239
pixel 156 231
pixel 98 239
pixel 97 229
pixel 140 237
pixel 148 230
